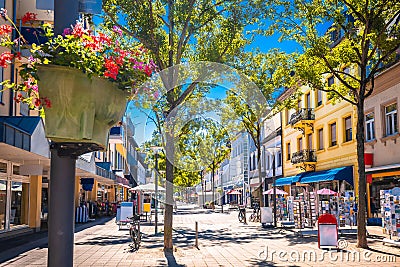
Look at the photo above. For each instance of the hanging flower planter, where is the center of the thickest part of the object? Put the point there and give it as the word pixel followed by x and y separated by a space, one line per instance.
pixel 83 109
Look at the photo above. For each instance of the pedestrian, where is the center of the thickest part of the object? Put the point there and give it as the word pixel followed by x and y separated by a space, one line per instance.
pixel 374 210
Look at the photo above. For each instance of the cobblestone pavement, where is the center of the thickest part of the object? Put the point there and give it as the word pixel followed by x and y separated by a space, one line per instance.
pixel 223 241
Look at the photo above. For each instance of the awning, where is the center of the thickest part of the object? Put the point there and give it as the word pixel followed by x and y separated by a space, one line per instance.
pixel 382 169
pixel 338 174
pixel 285 181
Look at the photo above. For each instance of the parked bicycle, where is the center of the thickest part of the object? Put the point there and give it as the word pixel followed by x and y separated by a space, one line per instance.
pixel 242 214
pixel 134 232
pixel 255 216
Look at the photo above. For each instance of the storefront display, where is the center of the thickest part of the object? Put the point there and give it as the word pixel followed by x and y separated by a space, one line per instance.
pixel 390 208
pixel 304 212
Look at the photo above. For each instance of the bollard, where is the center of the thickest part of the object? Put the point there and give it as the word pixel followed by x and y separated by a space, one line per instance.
pixel 197 235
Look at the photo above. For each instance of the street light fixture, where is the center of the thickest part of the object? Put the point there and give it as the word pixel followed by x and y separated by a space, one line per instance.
pixel 155 150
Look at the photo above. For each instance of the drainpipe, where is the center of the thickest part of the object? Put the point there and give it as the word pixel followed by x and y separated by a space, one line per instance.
pixel 12 72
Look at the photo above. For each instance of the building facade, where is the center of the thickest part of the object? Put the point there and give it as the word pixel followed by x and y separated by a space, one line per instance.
pixel 382 138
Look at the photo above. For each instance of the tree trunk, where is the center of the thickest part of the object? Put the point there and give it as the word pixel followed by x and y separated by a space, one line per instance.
pixel 168 245
pixel 362 184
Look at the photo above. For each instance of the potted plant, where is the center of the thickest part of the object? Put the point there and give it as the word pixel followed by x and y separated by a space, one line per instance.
pixel 80 80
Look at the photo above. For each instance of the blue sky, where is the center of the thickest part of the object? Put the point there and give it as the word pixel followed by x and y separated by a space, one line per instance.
pixel 145 127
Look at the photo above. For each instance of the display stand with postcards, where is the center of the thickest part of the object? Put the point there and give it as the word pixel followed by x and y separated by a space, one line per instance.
pixel 390 208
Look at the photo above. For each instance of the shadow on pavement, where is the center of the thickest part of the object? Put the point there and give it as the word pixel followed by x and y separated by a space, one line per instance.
pixel 12 247
pixel 171 260
pixel 105 240
pixel 186 236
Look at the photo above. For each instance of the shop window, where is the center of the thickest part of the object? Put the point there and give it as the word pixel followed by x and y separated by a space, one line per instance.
pixel 3 199
pixel 288 151
pixel 19 204
pixel 3 167
pixel 391 119
pixel 320 139
pixel 369 127
pixel 319 98
pixel 348 135
pixel 333 140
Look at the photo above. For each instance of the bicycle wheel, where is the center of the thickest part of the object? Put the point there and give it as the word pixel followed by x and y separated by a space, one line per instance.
pixel 136 239
pixel 252 217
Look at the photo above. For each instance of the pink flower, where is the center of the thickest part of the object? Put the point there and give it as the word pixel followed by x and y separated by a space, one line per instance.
pixel 67 31
pixel 117 30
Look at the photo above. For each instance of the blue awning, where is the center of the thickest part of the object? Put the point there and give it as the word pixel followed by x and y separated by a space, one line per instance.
pixel 338 174
pixel 285 181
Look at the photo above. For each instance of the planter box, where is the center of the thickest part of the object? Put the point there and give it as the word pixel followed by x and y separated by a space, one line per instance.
pixel 83 109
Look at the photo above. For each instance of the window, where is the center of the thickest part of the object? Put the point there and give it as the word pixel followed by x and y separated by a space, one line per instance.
pixel 333 140
pixel 321 139
pixel 3 199
pixel 299 144
pixel 268 167
pixel 299 104
pixel 309 141
pixel 319 98
pixel 288 151
pixel 369 127
pixel 348 135
pixel 391 119
pixel 331 80
pixel 308 100
pixel 287 116
pixel 279 159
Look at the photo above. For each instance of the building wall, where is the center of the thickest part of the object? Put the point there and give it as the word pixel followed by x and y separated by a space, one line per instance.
pixel 387 90
pixel 341 154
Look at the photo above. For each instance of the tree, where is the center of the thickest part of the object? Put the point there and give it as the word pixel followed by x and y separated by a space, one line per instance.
pixel 207 144
pixel 175 32
pixel 252 112
pixel 362 40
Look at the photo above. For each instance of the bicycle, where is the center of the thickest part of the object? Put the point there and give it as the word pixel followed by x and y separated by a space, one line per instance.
pixel 255 216
pixel 134 232
pixel 242 214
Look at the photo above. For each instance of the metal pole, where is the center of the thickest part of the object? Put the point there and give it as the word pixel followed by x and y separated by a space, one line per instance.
pixel 62 171
pixel 61 210
pixel 197 235
pixel 156 198
pixel 274 185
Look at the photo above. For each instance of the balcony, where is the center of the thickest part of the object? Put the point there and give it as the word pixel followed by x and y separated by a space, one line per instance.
pixel 303 120
pixel 305 159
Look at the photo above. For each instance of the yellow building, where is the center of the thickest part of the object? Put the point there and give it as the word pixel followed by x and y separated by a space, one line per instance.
pixel 318 141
